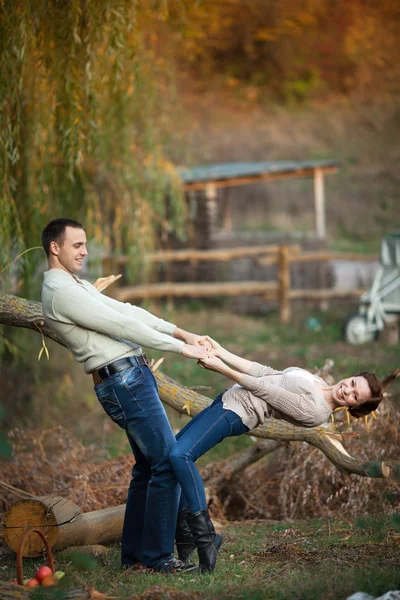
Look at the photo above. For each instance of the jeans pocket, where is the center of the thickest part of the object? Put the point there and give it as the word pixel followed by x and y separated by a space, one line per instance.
pixel 132 377
pixel 113 408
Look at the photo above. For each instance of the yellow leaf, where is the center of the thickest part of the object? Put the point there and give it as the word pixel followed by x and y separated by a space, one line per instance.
pixel 187 408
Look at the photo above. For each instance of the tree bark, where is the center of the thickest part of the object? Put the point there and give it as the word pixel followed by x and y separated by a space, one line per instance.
pixel 326 439
pixel 62 522
pixel 20 312
pixel 51 514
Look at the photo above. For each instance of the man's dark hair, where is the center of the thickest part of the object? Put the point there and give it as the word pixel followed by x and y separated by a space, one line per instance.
pixel 55 230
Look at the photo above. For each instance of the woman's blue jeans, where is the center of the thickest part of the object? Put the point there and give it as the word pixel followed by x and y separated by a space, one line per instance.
pixel 131 399
pixel 204 431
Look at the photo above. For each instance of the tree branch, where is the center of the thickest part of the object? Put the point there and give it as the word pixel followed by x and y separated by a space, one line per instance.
pixel 19 312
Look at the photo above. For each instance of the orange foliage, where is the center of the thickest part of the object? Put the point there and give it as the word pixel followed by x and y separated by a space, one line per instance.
pixel 293 47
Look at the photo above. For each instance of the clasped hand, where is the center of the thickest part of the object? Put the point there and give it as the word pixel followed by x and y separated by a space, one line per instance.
pixel 211 361
pixel 205 349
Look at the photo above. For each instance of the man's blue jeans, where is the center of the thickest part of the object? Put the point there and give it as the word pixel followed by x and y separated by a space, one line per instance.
pixel 131 399
pixel 204 431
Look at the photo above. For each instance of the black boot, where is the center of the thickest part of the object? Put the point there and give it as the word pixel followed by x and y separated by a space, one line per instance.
pixel 184 540
pixel 207 541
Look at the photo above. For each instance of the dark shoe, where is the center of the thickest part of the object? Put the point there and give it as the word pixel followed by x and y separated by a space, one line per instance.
pixel 173 565
pixel 207 541
pixel 183 537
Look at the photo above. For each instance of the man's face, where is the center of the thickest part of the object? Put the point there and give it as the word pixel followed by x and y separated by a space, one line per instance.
pixel 71 251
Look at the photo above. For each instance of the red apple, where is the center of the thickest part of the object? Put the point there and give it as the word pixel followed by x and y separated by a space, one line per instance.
pixel 43 572
pixel 49 581
pixel 32 583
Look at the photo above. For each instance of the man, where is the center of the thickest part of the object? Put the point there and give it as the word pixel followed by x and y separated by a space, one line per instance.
pixel 105 335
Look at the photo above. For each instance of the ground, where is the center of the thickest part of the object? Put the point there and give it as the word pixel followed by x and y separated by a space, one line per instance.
pixel 313 560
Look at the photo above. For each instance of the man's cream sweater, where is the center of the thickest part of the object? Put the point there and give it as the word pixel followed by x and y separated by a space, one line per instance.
pixel 265 392
pixel 98 329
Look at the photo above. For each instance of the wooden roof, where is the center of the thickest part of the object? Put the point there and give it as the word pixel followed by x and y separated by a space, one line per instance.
pixel 239 173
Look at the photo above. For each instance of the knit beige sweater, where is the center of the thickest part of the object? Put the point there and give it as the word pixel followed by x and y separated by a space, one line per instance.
pixel 266 393
pixel 98 329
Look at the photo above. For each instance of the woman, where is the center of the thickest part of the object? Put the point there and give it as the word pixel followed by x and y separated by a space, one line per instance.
pixel 259 393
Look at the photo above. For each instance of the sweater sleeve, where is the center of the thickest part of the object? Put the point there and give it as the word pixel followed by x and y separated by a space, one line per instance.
pixel 76 305
pixel 130 310
pixel 303 408
pixel 258 370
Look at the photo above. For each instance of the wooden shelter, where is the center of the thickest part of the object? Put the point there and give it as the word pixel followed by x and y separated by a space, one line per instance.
pixel 208 178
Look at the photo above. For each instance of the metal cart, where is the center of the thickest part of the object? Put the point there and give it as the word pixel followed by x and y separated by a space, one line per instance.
pixel 382 300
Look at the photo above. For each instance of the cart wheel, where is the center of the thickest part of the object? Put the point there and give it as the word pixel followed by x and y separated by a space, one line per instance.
pixel 356 332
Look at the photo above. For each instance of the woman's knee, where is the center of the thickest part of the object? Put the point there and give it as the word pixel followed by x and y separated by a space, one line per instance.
pixel 178 456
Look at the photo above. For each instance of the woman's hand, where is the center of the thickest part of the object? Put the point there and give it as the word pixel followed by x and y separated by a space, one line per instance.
pixel 214 345
pixel 212 363
pixel 190 351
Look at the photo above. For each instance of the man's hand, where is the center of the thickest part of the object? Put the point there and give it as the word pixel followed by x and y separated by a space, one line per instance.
pixel 103 282
pixel 192 351
pixel 192 339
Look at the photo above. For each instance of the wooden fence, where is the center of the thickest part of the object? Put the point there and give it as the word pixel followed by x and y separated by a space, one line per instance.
pixel 279 290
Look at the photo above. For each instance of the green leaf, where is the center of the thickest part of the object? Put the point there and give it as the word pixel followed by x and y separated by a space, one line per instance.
pixel 81 561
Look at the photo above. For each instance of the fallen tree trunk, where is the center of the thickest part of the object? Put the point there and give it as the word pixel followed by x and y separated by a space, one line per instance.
pixel 62 522
pixel 223 480
pixel 20 312
pixel 324 437
pixel 48 513
pixel 226 472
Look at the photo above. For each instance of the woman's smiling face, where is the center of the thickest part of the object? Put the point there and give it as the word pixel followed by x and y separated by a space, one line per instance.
pixel 352 391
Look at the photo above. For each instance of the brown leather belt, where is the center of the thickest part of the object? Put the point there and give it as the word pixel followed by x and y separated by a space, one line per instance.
pixel 119 365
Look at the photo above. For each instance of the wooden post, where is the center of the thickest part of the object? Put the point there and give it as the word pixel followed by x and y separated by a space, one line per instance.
pixel 319 201
pixel 284 284
pixel 211 207
pixel 227 210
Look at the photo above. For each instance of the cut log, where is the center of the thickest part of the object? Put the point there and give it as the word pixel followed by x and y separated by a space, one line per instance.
pixel 62 522
pixel 96 527
pixel 47 513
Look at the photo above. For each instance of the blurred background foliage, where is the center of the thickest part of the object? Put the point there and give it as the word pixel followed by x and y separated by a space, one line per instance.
pixel 89 104
pixel 80 130
pixel 100 98
pixel 296 49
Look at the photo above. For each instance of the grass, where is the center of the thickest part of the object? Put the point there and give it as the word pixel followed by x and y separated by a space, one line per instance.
pixel 311 560
pixel 359 246
pixel 317 559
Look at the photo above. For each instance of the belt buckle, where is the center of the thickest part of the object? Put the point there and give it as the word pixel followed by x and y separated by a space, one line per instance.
pixel 145 359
